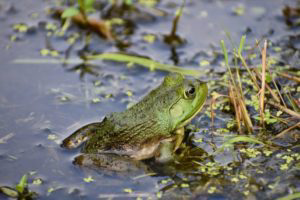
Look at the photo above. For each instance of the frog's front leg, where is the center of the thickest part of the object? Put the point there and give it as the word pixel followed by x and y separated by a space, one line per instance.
pixel 80 136
pixel 179 138
pixel 167 147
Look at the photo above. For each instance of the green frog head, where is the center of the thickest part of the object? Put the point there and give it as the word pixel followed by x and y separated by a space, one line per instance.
pixel 186 98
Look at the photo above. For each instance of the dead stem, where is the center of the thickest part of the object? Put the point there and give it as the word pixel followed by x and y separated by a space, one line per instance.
pixel 286 131
pixel 275 84
pixel 245 115
pixel 288 76
pixel 232 97
pixel 273 94
pixel 263 83
pixel 289 111
pixel 249 72
pixel 212 115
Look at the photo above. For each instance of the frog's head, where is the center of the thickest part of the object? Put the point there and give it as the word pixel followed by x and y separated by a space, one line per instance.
pixel 188 96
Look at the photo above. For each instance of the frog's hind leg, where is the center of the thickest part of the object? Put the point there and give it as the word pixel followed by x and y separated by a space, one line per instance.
pixel 80 136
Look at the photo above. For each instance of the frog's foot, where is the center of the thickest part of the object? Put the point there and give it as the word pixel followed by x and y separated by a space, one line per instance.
pixel 80 136
pixel 110 162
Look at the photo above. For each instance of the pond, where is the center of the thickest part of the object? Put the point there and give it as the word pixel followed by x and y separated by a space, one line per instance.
pixel 48 90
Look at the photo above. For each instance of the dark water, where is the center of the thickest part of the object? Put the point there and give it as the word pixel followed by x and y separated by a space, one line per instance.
pixel 31 95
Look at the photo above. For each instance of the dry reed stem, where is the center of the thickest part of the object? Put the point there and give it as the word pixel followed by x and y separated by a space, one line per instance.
pixel 286 131
pixel 290 77
pixel 212 114
pixel 273 94
pixel 263 83
pixel 275 84
pixel 286 110
pixel 245 115
pixel 249 72
pixel 232 98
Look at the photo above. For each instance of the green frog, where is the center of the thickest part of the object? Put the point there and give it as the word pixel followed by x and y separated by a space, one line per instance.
pixel 154 127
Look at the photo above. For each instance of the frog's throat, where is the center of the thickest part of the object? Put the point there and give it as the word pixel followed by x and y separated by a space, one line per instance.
pixel 193 115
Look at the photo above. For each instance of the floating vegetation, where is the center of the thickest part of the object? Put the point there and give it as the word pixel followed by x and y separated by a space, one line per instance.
pixel 21 190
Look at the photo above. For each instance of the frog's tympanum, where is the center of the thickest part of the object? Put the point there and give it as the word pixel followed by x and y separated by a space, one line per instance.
pixel 154 127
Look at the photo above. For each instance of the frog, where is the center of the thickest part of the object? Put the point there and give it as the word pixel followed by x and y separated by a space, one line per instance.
pixel 151 128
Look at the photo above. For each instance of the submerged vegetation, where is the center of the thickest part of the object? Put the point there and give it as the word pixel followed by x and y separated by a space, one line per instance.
pixel 245 146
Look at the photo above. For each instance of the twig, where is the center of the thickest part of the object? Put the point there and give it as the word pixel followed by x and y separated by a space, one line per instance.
pixel 263 83
pixel 275 84
pixel 288 76
pixel 233 98
pixel 286 131
pixel 274 95
pixel 289 111
pixel 212 114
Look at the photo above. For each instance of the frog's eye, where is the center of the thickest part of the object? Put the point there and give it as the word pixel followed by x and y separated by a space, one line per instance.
pixel 190 92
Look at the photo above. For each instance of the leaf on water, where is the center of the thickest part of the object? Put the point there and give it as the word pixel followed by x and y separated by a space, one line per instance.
pixel 211 190
pixel 129 93
pixel 9 191
pixel 96 100
pixel 239 10
pixel 70 12
pixel 150 38
pixel 128 190
pixel 44 52
pixel 37 181
pixel 204 63
pixel 243 139
pixel 198 140
pixel 50 190
pixel 52 137
pixel 236 139
pixel 6 137
pixel 184 185
pixel 159 194
pixel 88 179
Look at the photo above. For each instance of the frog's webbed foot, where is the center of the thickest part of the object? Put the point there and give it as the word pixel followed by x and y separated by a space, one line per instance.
pixel 110 162
pixel 80 136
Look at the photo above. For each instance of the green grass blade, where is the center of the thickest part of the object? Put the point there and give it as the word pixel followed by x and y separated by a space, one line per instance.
pixel 22 184
pixel 242 42
pixel 145 62
pixel 224 52
pixel 290 197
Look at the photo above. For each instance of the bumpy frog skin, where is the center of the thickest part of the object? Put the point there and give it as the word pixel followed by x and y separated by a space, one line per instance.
pixel 154 127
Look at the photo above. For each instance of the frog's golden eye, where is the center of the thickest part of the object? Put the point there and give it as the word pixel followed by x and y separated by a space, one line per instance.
pixel 190 92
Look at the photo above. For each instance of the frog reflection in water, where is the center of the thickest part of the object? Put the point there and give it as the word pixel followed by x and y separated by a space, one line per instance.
pixel 154 127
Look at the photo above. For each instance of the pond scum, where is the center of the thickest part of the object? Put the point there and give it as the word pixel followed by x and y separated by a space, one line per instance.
pixel 261 140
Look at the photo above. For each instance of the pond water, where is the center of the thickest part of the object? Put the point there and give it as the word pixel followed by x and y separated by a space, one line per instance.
pixel 41 103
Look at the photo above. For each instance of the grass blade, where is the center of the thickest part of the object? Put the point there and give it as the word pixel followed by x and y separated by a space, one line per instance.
pixel 242 42
pixel 145 62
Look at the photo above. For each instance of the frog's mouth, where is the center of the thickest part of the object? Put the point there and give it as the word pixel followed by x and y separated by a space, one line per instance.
pixel 189 118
